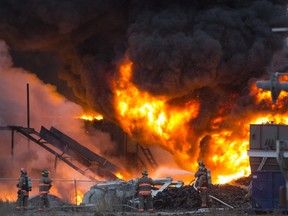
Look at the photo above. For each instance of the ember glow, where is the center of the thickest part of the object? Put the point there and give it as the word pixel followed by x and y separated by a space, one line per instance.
pixel 8 197
pixel 78 197
pixel 119 176
pixel 90 117
pixel 153 121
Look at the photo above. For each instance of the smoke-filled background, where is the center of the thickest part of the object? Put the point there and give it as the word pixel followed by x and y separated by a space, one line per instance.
pixel 177 47
pixel 182 50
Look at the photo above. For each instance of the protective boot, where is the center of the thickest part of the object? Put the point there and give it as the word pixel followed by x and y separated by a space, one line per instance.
pixel 210 201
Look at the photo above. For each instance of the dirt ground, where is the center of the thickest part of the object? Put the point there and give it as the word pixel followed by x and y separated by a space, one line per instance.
pixel 54 212
pixel 8 209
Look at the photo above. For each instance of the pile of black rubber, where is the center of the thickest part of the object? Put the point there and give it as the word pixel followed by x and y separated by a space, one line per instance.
pixel 54 201
pixel 177 199
pixel 187 198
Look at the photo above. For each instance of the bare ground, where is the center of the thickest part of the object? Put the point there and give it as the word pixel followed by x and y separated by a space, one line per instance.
pixel 8 209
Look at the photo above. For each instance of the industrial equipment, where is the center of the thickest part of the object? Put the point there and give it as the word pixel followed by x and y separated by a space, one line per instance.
pixel 122 193
pixel 68 150
pixel 268 155
pixel 273 85
pixel 267 177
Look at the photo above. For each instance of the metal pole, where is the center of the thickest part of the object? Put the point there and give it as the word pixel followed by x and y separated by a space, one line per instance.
pixel 28 114
pixel 28 107
pixel 75 189
pixel 12 144
pixel 55 163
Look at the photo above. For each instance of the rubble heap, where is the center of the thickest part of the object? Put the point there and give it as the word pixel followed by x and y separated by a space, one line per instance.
pixel 54 201
pixel 187 198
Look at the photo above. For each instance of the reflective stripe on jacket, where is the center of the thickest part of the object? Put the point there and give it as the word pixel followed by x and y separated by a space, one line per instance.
pixel 201 176
pixel 144 185
pixel 22 184
pixel 44 185
pixel 25 192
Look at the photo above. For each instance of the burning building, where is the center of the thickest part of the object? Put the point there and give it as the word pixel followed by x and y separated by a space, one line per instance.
pixel 178 76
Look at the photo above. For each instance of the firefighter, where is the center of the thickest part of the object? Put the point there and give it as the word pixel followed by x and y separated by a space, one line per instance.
pixel 202 184
pixel 143 188
pixel 44 187
pixel 24 186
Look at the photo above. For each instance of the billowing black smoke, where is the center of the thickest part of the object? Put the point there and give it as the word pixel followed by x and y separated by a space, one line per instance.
pixel 182 49
pixel 178 47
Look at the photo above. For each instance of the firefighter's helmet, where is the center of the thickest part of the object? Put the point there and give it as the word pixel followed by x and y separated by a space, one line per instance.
pixel 201 164
pixel 45 172
pixel 23 171
pixel 144 172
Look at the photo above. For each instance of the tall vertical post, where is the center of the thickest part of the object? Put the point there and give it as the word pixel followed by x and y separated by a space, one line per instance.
pixel 28 107
pixel 12 144
pixel 282 159
pixel 55 163
pixel 75 190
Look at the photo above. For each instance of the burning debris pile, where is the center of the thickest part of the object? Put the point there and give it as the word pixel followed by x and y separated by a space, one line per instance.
pixel 187 198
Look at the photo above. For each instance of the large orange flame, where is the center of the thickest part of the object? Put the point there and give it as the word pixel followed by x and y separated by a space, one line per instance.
pixel 90 117
pixel 153 121
pixel 78 197
pixel 150 119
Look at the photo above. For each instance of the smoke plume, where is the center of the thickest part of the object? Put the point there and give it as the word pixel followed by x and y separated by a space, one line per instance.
pixel 48 108
pixel 177 47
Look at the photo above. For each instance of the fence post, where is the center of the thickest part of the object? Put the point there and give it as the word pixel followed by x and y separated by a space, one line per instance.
pixel 75 188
